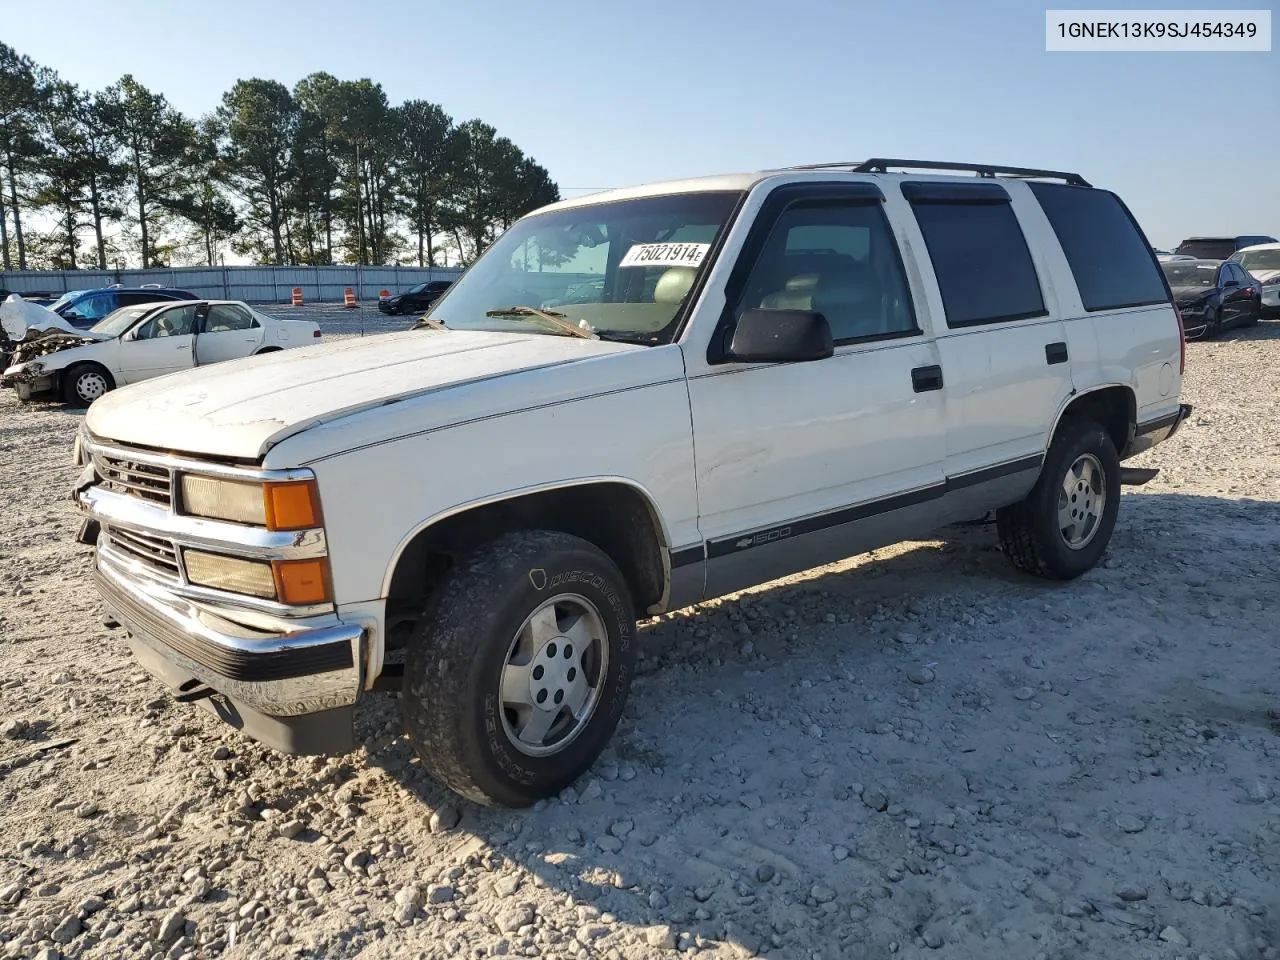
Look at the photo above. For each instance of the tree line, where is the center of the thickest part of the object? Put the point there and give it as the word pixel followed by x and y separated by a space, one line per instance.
pixel 328 172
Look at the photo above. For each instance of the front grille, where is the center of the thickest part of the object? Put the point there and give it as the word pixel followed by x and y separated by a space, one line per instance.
pixel 143 480
pixel 155 552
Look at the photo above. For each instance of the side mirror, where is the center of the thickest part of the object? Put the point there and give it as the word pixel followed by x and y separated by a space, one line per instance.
pixel 780 336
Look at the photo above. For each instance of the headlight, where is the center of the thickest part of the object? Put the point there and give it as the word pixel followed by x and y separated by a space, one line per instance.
pixel 295 582
pixel 291 505
pixel 1273 282
pixel 33 367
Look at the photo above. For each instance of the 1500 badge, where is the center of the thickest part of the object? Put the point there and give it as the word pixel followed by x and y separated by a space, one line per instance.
pixel 762 538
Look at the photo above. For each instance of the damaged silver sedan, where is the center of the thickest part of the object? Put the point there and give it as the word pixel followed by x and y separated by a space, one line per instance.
pixel 51 359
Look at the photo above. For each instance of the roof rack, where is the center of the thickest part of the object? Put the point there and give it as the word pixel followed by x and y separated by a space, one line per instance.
pixel 882 165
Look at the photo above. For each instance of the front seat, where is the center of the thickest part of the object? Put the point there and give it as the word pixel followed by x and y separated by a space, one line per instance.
pixel 674 285
pixel 851 299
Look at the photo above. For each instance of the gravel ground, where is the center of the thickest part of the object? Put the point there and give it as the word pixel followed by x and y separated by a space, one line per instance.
pixel 913 753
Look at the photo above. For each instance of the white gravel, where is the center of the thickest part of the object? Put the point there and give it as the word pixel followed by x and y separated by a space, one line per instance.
pixel 914 753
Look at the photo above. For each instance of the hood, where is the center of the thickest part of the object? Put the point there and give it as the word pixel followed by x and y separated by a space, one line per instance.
pixel 1190 294
pixel 241 408
pixel 18 317
pixel 1266 276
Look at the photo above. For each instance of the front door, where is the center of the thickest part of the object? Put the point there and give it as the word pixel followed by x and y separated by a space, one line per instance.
pixel 805 463
pixel 162 344
pixel 226 332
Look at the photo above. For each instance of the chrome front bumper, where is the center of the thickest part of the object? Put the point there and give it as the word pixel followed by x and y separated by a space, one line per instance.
pixel 311 668
pixel 287 675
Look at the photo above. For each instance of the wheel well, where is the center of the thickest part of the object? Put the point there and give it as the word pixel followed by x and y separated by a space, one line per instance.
pixel 267 350
pixel 615 517
pixel 1112 407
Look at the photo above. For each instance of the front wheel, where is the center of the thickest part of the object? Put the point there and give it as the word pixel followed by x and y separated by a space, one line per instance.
pixel 519 668
pixel 85 383
pixel 1064 525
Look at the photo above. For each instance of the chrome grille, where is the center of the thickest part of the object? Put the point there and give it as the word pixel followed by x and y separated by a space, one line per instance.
pixel 154 551
pixel 143 480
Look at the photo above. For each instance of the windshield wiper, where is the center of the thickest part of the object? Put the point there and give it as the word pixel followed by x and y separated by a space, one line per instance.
pixel 558 320
pixel 428 323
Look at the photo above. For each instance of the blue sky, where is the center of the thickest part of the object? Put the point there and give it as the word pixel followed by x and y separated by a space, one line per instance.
pixel 607 93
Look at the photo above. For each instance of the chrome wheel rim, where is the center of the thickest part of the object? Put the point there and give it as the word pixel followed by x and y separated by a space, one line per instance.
pixel 1081 501
pixel 90 386
pixel 553 675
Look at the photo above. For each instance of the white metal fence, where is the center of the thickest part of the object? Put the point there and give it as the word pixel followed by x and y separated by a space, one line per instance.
pixel 253 284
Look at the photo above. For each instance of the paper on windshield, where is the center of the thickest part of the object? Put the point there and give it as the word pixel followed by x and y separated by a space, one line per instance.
pixel 665 255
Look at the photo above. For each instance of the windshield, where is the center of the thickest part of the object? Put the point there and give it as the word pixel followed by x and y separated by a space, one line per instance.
pixel 66 298
pixel 118 321
pixel 1259 259
pixel 1190 273
pixel 420 288
pixel 622 269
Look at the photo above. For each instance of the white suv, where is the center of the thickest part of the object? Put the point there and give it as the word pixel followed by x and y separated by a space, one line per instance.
pixel 632 402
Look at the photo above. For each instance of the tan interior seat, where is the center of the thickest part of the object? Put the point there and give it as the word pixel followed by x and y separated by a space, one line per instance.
pixel 674 285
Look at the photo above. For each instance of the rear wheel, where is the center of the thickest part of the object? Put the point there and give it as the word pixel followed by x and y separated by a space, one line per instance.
pixel 85 383
pixel 1064 525
pixel 519 668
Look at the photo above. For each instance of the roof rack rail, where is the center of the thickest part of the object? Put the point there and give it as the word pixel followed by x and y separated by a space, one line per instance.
pixel 882 165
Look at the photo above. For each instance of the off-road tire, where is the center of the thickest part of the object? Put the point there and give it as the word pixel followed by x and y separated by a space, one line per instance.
pixel 1029 532
pixel 71 388
pixel 451 702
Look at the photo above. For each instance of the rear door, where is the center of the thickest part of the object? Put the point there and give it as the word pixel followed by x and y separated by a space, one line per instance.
pixel 226 332
pixel 1005 352
pixel 164 343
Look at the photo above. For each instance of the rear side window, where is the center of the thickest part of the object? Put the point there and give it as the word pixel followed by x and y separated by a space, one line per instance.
pixel 979 254
pixel 225 317
pixel 1109 258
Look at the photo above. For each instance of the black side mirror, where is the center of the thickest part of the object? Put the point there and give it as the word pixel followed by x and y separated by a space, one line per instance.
pixel 780 336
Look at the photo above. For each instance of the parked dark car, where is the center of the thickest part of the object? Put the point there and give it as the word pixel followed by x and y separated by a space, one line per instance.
pixel 1219 248
pixel 83 308
pixel 1213 295
pixel 416 299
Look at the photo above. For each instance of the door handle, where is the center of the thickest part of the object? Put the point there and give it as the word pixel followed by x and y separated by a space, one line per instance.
pixel 1055 353
pixel 926 378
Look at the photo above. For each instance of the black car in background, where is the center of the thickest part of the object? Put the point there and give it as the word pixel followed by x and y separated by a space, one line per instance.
pixel 1213 295
pixel 416 299
pixel 1219 248
pixel 83 308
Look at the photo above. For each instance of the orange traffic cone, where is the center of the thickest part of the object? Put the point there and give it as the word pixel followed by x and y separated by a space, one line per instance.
pixel 383 294
pixel 349 298
pixel 296 299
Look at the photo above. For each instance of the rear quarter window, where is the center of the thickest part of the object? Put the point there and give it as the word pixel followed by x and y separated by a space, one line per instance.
pixel 1109 257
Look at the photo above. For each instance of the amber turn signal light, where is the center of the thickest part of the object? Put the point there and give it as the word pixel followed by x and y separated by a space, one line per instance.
pixel 302 582
pixel 294 505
